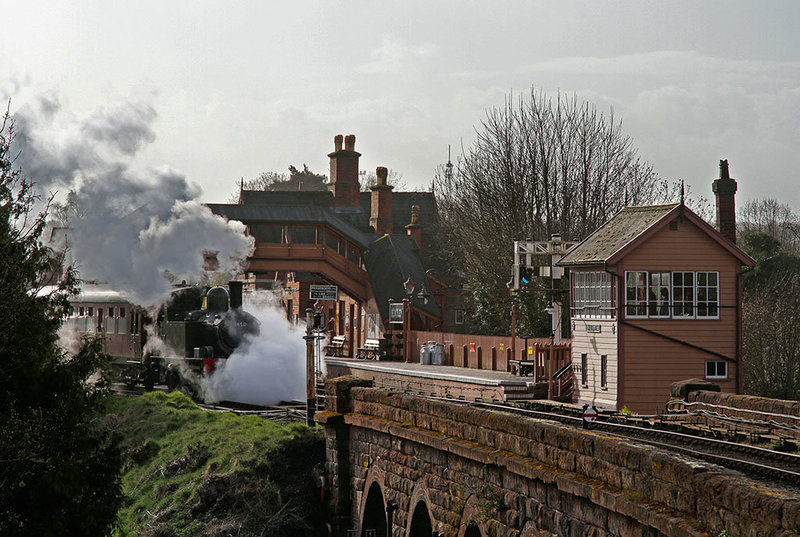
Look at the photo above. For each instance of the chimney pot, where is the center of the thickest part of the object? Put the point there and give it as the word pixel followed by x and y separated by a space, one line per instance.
pixel 415 214
pixel 382 174
pixel 337 142
pixel 350 142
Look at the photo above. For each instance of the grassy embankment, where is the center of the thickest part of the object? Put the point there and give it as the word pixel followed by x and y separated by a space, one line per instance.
pixel 190 472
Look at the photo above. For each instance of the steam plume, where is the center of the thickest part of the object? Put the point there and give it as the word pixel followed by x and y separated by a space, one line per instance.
pixel 129 230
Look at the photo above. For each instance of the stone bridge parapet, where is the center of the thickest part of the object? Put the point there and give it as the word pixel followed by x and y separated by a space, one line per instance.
pixel 459 471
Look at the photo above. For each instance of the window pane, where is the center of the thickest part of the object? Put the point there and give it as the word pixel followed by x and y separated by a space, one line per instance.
pixel 303 234
pixel 268 233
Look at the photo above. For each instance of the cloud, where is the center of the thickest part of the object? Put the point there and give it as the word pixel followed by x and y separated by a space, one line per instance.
pixel 392 56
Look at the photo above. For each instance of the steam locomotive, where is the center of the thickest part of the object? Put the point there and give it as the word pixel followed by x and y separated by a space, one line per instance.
pixel 194 330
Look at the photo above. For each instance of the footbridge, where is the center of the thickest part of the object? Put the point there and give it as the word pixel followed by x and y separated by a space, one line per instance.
pixel 407 466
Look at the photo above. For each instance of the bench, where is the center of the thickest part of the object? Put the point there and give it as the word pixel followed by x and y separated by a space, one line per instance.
pixel 523 368
pixel 370 351
pixel 335 346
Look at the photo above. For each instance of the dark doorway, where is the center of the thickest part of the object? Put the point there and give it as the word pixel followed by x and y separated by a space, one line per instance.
pixel 374 513
pixel 421 521
pixel 473 530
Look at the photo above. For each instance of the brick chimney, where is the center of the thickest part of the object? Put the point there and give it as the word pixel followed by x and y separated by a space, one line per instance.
pixel 344 173
pixel 381 215
pixel 725 190
pixel 414 228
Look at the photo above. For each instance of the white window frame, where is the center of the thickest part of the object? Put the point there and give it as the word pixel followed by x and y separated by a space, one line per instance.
pixel 716 367
pixel 637 302
pixel 459 316
pixel 591 295
pixel 651 304
pixel 707 287
pixel 683 287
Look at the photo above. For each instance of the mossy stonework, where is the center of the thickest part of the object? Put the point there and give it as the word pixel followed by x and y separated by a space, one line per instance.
pixel 484 473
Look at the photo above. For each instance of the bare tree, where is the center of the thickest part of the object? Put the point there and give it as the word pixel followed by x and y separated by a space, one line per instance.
pixel 771 343
pixel 772 218
pixel 539 166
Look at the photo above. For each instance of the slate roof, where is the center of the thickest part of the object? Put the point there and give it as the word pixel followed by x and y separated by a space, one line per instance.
pixel 313 212
pixel 391 260
pixel 612 236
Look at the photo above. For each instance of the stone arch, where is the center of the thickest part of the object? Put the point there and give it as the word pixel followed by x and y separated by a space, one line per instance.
pixel 471 524
pixel 372 511
pixel 420 520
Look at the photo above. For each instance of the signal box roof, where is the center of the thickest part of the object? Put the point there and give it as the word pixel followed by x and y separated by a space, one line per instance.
pixel 633 225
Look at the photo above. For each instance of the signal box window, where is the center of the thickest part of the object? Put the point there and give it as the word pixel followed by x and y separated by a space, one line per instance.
pixel 658 294
pixel 591 295
pixel 584 369
pixel 717 369
pixel 636 294
pixel 459 316
pixel 708 294
pixel 604 371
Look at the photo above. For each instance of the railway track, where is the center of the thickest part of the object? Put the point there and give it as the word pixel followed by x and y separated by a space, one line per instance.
pixel 756 462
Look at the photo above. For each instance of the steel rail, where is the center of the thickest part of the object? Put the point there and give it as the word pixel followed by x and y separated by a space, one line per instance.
pixel 752 468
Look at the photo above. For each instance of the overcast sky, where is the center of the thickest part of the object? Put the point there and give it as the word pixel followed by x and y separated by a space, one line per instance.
pixel 229 89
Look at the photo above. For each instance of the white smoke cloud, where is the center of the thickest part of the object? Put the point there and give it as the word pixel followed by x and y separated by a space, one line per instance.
pixel 130 230
pixel 269 367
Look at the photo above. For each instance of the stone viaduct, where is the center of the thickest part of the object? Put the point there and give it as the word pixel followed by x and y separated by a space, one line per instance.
pixel 452 470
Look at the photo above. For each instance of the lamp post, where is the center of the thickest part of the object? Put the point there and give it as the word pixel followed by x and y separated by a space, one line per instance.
pixel 409 288
pixel 552 311
pixel 311 400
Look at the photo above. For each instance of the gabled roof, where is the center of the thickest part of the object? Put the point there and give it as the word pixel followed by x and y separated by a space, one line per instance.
pixel 633 225
pixel 390 261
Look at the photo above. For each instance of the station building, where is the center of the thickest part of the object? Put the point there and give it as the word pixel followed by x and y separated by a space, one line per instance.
pixel 374 247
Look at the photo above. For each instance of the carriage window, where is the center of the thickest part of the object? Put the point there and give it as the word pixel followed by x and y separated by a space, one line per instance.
pixel 111 311
pixel 122 312
pixel 90 311
pixel 81 312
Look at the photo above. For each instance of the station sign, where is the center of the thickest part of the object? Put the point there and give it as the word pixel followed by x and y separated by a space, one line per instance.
pixel 323 292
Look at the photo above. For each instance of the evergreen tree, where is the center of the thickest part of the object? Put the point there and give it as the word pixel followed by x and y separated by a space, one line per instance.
pixel 59 465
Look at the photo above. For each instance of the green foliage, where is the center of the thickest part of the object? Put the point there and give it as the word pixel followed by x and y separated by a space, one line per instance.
pixel 58 465
pixel 192 472
pixel 771 317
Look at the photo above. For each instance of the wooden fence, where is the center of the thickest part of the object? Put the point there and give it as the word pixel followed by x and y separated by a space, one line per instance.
pixel 494 352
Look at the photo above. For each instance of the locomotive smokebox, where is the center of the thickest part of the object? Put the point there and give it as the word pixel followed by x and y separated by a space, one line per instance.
pixel 217 299
pixel 236 293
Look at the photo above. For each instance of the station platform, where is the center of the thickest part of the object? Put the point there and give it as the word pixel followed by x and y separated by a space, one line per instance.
pixel 436 380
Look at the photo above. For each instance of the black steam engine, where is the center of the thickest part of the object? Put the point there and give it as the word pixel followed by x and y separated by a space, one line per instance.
pixel 197 328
